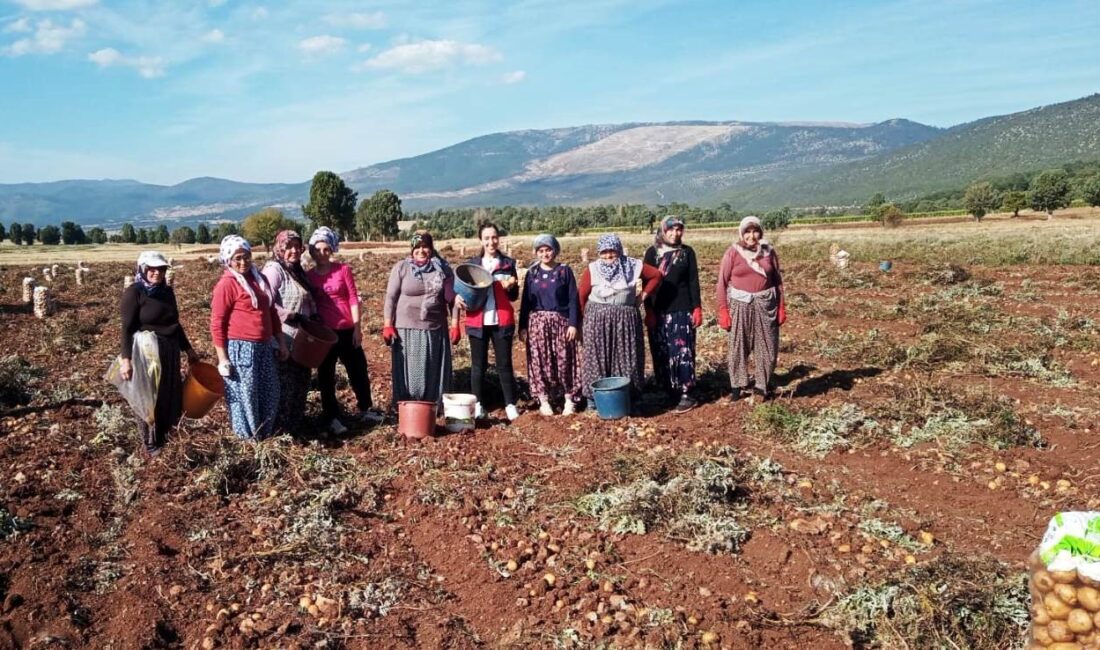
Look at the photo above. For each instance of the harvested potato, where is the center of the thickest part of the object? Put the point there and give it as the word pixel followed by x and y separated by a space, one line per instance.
pixel 1096 620
pixel 1059 631
pixel 1056 608
pixel 1064 577
pixel 1089 597
pixel 1079 621
pixel 1064 646
pixel 1066 593
pixel 1039 615
pixel 1042 581
pixel 1040 634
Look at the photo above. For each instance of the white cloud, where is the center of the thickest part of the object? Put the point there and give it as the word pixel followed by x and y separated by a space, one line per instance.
pixel 214 36
pixel 513 77
pixel 55 5
pixel 365 47
pixel 20 26
pixel 48 38
pixel 323 44
pixel 357 20
pixel 259 13
pixel 147 66
pixel 425 56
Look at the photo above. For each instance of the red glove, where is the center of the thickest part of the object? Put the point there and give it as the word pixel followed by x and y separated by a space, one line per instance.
pixel 456 335
pixel 724 320
pixel 389 334
pixel 697 317
pixel 782 317
pixel 650 319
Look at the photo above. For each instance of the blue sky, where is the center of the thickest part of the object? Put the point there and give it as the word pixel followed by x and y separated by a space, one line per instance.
pixel 257 90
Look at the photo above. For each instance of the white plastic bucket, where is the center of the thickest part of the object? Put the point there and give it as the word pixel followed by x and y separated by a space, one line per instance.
pixel 458 411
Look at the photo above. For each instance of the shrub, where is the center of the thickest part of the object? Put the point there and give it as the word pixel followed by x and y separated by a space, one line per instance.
pixel 17 377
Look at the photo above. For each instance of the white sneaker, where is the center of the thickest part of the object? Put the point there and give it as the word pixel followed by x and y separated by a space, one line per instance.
pixel 337 427
pixel 479 413
pixel 570 407
pixel 512 413
pixel 545 408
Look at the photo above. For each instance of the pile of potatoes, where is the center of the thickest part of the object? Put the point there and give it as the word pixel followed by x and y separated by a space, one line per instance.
pixel 1065 609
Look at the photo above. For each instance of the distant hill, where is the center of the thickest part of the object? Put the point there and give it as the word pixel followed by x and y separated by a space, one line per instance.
pixel 1043 137
pixel 748 164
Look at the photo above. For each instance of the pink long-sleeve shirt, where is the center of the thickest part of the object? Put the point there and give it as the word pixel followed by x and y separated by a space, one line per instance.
pixel 736 272
pixel 336 295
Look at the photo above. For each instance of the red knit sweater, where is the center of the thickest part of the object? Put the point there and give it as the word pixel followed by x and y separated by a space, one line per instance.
pixel 232 315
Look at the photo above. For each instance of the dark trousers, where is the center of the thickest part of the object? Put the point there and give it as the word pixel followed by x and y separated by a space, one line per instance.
pixel 479 359
pixel 355 364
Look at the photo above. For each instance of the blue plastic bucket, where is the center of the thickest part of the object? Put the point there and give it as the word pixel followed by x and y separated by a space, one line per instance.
pixel 612 396
pixel 885 265
pixel 473 283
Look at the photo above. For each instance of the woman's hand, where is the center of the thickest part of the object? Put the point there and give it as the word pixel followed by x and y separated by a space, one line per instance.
pixel 389 334
pixel 508 282
pixel 455 335
pixel 459 302
pixel 357 337
pixel 571 334
pixel 126 369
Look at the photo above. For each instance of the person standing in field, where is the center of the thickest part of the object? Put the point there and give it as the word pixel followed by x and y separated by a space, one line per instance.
pixel 614 345
pixel 149 305
pixel 294 303
pixel 751 308
pixel 494 323
pixel 674 312
pixel 419 298
pixel 549 317
pixel 338 304
pixel 247 336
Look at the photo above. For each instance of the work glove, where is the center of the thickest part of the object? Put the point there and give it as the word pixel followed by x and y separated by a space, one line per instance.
pixel 389 334
pixel 456 335
pixel 782 316
pixel 697 317
pixel 724 320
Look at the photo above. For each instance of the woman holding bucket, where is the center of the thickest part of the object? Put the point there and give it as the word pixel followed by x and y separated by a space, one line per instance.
pixel 294 303
pixel 614 344
pixel 549 316
pixel 495 322
pixel 245 328
pixel 338 305
pixel 149 305
pixel 751 308
pixel 419 297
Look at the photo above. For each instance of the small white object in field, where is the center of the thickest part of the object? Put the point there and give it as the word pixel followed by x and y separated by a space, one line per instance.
pixel 362 255
pixel 43 303
pixel 170 277
pixel 462 250
pixel 212 259
pixel 46 273
pixel 28 290
pixel 584 255
pixel 80 272
pixel 841 259
pixel 127 280
pixel 53 270
pixel 171 261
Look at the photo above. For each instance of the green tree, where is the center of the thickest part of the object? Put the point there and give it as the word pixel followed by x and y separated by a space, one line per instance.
pixel 874 203
pixel 1091 191
pixel 378 216
pixel 261 227
pixel 71 233
pixel 1014 201
pixel 160 235
pixel 15 233
pixel 331 203
pixel 129 235
pixel 889 215
pixel 29 233
pixel 3 233
pixel 223 230
pixel 777 219
pixel 182 235
pixel 980 199
pixel 49 235
pixel 142 236
pixel 1050 191
pixel 202 234
pixel 97 236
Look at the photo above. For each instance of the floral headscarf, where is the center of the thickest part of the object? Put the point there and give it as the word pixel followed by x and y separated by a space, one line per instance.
pixel 432 273
pixel 229 247
pixel 283 240
pixel 763 248
pixel 667 254
pixel 327 235
pixel 621 268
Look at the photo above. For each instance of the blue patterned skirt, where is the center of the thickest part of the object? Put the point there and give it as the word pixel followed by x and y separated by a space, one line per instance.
pixel 252 389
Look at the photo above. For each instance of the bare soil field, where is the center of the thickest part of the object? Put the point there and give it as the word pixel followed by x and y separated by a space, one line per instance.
pixel 929 422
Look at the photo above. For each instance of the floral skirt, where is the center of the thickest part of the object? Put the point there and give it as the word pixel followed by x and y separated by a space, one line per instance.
pixel 252 389
pixel 672 345
pixel 613 345
pixel 754 336
pixel 551 359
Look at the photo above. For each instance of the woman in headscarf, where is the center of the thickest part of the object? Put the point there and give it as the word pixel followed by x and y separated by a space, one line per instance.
pixel 494 323
pixel 674 312
pixel 149 305
pixel 549 316
pixel 612 328
pixel 419 298
pixel 294 303
pixel 338 303
pixel 247 336
pixel 751 308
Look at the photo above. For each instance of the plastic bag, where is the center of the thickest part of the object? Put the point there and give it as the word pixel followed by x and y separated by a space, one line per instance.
pixel 140 392
pixel 1065 583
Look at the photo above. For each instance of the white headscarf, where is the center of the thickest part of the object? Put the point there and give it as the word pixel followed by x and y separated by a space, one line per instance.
pixel 325 234
pixel 230 245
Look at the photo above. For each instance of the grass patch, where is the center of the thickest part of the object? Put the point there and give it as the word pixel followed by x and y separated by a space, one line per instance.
pixel 836 427
pixel 17 379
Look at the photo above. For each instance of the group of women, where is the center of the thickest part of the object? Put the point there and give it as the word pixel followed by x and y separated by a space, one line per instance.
pixel 575 332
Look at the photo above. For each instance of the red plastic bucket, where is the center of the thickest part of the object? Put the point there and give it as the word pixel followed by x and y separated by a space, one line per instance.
pixel 312 343
pixel 202 390
pixel 416 419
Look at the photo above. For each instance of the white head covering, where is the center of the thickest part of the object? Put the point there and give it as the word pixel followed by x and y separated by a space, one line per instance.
pixel 230 245
pixel 750 221
pixel 153 259
pixel 325 234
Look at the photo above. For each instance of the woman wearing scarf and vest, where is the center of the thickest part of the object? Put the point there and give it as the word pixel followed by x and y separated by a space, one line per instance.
pixel 149 305
pixel 294 303
pixel 338 304
pixel 419 297
pixel 247 336
pixel 751 308
pixel 674 312
pixel 549 315
pixel 614 345
pixel 494 323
